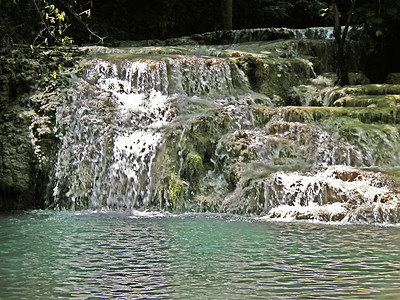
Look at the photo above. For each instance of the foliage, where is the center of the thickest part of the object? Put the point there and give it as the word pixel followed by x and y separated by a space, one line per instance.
pixel 277 9
pixel 380 20
pixel 44 23
pixel 376 15
pixel 54 24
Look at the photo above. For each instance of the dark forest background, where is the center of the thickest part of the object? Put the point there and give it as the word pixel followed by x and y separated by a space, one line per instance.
pixel 173 18
pixel 20 20
pixel 160 19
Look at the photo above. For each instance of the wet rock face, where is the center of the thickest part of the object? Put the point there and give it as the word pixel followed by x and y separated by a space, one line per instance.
pixel 337 194
pixel 29 97
pixel 15 160
pixel 17 77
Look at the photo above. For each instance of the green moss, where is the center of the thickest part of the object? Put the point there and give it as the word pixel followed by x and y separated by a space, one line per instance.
pixel 273 75
pixel 208 203
pixel 194 166
pixel 175 191
pixel 376 142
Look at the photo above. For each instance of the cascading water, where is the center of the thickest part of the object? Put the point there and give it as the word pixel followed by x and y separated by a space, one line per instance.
pixel 335 193
pixel 115 122
pixel 167 128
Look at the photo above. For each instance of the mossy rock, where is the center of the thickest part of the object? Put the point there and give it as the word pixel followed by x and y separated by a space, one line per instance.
pixel 175 192
pixel 376 144
pixel 368 115
pixel 193 167
pixel 333 94
pixel 274 76
pixel 263 114
pixel 316 91
pixel 208 203
pixel 368 101
pixel 363 136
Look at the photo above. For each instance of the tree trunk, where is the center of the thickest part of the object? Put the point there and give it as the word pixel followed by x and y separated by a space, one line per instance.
pixel 340 43
pixel 342 68
pixel 226 14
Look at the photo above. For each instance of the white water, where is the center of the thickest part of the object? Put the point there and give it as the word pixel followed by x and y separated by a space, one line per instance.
pixel 325 195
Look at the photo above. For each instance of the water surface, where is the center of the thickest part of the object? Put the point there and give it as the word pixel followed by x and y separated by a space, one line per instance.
pixel 148 255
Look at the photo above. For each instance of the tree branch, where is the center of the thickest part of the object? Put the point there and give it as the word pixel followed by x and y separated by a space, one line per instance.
pixel 44 23
pixel 77 17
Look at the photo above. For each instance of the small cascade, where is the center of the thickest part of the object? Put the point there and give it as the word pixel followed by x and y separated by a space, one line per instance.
pixel 302 167
pixel 337 193
pixel 181 75
pixel 109 163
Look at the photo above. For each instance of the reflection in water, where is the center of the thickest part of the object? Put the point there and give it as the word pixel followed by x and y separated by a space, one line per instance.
pixel 117 255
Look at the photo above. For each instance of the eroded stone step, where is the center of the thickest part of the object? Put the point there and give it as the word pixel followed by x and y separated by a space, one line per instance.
pixel 368 101
pixel 335 93
pixel 368 115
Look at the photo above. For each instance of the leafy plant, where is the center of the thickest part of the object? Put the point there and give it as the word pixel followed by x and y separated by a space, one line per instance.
pixel 55 23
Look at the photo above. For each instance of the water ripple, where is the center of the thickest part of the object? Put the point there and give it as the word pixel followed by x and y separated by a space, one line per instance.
pixel 114 255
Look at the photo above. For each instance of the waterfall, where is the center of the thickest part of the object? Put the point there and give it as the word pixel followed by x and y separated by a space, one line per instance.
pixel 115 121
pixel 212 128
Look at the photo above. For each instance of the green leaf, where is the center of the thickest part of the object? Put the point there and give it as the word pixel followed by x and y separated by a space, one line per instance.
pixel 323 12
